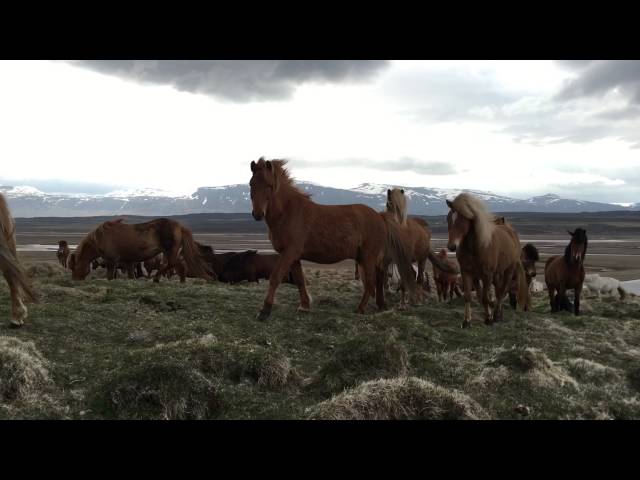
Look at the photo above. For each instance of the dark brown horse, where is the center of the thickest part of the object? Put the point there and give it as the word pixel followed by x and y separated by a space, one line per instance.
pixel 253 266
pixel 487 252
pixel 63 253
pixel 19 287
pixel 528 257
pixel 300 229
pixel 116 242
pixel 566 272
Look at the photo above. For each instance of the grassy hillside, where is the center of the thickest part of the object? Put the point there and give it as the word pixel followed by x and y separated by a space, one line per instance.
pixel 134 349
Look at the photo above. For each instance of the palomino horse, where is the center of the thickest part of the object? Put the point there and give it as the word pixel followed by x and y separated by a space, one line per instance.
pixel 528 257
pixel 116 242
pixel 300 229
pixel 63 252
pixel 566 272
pixel 486 251
pixel 419 237
pixel 19 286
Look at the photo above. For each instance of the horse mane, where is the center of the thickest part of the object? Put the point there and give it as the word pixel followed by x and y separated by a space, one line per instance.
pixel 7 225
pixel 282 177
pixel 397 204
pixel 473 209
pixel 531 252
pixel 95 236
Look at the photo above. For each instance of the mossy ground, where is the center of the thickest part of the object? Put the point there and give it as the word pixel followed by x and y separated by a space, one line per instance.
pixel 135 349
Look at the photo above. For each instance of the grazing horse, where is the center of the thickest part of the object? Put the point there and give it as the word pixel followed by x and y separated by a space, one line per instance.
pixel 566 272
pixel 116 242
pixel 419 235
pixel 446 283
pixel 63 252
pixel 252 266
pixel 528 257
pixel 300 229
pixel 19 286
pixel 487 252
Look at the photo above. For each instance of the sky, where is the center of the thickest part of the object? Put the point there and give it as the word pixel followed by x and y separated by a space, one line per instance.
pixel 517 128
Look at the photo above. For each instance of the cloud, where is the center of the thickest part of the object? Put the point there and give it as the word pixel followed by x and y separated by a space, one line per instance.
pixel 401 164
pixel 597 78
pixel 238 80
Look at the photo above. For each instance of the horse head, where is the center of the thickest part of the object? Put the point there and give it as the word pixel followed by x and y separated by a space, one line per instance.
pixel 577 248
pixel 458 225
pixel 263 183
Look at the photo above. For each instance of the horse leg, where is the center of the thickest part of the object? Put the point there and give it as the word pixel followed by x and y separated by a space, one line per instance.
pixel 369 281
pixel 576 299
pixel 282 266
pixel 357 273
pixel 298 277
pixel 380 274
pixel 18 309
pixel 467 281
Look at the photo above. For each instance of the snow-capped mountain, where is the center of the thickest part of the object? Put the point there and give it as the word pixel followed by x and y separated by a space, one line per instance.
pixel 30 202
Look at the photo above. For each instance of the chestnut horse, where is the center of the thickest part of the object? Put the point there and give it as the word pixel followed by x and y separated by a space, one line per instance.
pixel 566 272
pixel 117 242
pixel 446 283
pixel 63 252
pixel 300 229
pixel 19 286
pixel 419 236
pixel 486 251
pixel 528 257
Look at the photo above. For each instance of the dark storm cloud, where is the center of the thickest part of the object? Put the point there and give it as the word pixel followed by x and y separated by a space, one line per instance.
pixel 407 164
pixel 239 80
pixel 597 78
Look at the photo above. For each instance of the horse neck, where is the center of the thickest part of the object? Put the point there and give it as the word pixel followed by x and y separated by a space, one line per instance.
pixel 281 205
pixel 471 243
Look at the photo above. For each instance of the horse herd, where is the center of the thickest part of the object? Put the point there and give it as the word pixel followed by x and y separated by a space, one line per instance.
pixel 487 248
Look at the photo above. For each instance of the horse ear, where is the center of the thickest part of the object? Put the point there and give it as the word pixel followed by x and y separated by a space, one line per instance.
pixel 269 165
pixel 253 166
pixel 572 234
pixel 388 192
pixel 402 191
pixel 449 204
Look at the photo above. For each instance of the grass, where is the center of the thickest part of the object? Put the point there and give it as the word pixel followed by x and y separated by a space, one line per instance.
pixel 138 350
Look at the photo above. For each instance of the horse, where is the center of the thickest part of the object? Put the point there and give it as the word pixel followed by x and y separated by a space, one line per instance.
pixel 566 272
pixel 419 236
pixel 116 242
pixel 63 253
pixel 529 256
pixel 486 251
pixel 300 229
pixel 19 287
pixel 604 285
pixel 446 283
pixel 252 266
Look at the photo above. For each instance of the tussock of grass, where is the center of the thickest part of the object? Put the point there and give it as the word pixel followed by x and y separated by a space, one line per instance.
pixel 536 366
pixel 407 398
pixel 589 371
pixel 24 372
pixel 368 356
pixel 166 389
pixel 45 269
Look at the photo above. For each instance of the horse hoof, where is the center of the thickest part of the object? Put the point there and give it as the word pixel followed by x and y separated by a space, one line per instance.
pixel 302 309
pixel 13 324
pixel 262 316
pixel 466 324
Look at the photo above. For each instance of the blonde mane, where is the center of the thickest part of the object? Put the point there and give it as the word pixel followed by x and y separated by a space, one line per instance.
pixel 397 205
pixel 473 209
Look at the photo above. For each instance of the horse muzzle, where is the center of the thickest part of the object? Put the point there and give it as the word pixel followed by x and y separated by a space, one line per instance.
pixel 257 216
pixel 452 247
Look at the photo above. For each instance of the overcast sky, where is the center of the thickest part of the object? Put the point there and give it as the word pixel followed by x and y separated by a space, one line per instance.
pixel 519 128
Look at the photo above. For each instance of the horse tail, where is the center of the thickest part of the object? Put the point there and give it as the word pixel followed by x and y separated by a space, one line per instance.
pixel 441 265
pixel 398 250
pixel 523 288
pixel 10 265
pixel 193 257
